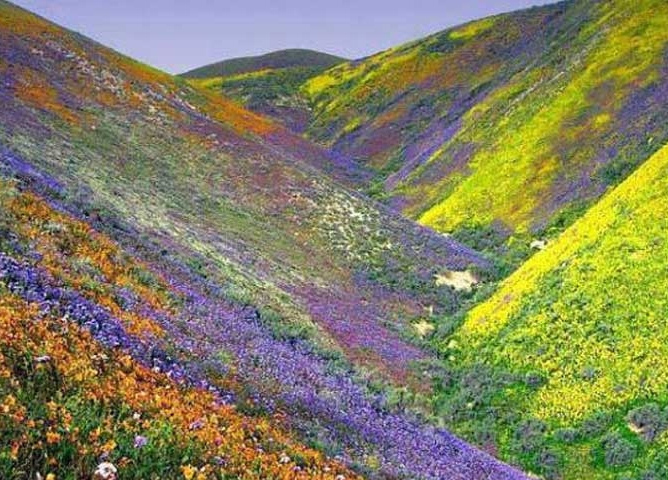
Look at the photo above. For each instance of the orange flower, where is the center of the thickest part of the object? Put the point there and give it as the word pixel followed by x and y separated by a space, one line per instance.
pixel 14 453
pixel 109 446
pixel 52 437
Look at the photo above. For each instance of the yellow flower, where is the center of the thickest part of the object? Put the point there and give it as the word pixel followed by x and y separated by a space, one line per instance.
pixel 109 446
pixel 188 472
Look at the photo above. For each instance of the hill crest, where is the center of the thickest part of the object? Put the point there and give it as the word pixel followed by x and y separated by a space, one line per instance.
pixel 287 58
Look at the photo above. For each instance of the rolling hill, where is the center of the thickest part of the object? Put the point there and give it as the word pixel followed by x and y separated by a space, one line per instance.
pixel 494 125
pixel 289 58
pixel 563 367
pixel 192 254
pixel 509 126
pixel 267 84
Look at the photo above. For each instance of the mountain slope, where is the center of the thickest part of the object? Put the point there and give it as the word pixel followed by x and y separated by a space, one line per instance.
pixel 283 291
pixel 271 92
pixel 267 84
pixel 573 344
pixel 137 145
pixel 505 125
pixel 85 369
pixel 289 58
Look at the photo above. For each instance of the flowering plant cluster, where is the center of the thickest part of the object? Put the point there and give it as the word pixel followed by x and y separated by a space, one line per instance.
pixel 201 353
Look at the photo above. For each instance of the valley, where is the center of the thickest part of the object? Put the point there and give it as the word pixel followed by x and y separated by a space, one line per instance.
pixel 442 261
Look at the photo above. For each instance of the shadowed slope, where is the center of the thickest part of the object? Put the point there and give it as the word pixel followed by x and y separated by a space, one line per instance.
pixel 268 84
pixel 289 58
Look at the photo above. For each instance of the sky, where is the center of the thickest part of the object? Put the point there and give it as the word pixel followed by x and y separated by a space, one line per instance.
pixel 178 35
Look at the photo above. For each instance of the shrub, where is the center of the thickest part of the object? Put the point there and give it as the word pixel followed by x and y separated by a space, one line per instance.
pixel 658 468
pixel 530 435
pixel 549 464
pixel 567 435
pixel 534 380
pixel 596 424
pixel 618 450
pixel 649 419
pixel 589 373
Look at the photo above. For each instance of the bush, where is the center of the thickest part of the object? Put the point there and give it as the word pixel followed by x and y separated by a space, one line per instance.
pixel 618 450
pixel 658 468
pixel 649 419
pixel 534 380
pixel 530 435
pixel 596 424
pixel 589 373
pixel 549 464
pixel 567 435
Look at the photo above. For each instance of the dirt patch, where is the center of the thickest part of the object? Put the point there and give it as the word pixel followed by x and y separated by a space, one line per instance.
pixel 458 280
pixel 424 328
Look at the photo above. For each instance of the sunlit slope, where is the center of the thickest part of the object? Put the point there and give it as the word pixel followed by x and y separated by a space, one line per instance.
pixel 509 122
pixel 232 193
pixel 575 341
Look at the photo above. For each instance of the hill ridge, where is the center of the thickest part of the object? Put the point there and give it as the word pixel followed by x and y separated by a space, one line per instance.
pixel 278 59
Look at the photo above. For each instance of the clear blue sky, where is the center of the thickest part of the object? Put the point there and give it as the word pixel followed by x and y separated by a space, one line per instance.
pixel 177 35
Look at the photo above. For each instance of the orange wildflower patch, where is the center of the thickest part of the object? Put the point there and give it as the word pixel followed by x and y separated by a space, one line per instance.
pixel 86 260
pixel 42 96
pixel 235 116
pixel 18 21
pixel 138 71
pixel 109 379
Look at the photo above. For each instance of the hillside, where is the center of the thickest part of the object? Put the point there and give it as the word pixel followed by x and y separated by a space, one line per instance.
pixel 267 84
pixel 510 125
pixel 270 92
pixel 565 365
pixel 289 58
pixel 92 365
pixel 200 242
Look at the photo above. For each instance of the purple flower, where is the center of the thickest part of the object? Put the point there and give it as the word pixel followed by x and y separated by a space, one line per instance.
pixel 140 441
pixel 196 425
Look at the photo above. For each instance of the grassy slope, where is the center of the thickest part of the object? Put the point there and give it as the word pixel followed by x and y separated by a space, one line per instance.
pixel 564 367
pixel 511 123
pixel 272 92
pixel 289 58
pixel 223 189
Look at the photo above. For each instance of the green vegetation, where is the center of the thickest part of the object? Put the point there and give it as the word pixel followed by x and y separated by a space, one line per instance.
pixel 538 138
pixel 506 123
pixel 264 90
pixel 289 58
pixel 562 368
